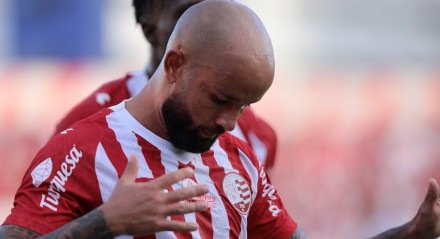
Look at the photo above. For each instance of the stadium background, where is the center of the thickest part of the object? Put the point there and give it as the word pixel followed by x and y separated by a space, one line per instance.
pixel 355 100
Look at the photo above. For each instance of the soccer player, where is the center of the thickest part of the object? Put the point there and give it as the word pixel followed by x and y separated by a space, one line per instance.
pixel 157 19
pixel 219 60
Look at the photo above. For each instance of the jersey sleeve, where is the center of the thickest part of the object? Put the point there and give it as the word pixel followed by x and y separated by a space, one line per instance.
pixel 260 136
pixel 105 96
pixel 267 217
pixel 59 185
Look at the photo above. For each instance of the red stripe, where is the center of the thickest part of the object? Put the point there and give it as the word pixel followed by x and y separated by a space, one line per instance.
pixel 154 161
pixel 234 158
pixel 111 146
pixel 217 174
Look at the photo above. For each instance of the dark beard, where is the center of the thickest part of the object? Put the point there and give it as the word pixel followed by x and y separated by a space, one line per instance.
pixel 180 127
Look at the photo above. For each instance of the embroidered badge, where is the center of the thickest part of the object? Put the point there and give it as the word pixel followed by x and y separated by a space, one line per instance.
pixel 238 192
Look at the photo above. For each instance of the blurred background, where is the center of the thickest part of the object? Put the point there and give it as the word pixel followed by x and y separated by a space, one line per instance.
pixel 355 101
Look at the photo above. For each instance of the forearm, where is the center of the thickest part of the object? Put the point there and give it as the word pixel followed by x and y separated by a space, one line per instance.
pixel 91 225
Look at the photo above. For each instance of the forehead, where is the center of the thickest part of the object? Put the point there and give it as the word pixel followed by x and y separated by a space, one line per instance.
pixel 240 88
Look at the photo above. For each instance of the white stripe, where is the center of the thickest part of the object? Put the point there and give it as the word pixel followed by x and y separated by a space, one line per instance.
pixel 237 132
pixel 107 177
pixel 137 82
pixel 219 216
pixel 243 232
pixel 128 142
pixel 222 159
pixel 105 172
pixel 252 172
pixel 258 147
pixel 165 235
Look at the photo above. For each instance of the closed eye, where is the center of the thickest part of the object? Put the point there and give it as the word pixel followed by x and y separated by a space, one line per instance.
pixel 218 101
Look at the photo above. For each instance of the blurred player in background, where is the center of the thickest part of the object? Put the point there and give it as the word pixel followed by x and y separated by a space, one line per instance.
pixel 157 19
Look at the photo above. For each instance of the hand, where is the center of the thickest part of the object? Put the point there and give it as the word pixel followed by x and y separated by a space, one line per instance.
pixel 426 223
pixel 141 208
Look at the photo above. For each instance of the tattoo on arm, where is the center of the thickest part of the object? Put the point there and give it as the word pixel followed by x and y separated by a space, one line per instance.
pixel 299 234
pixel 13 231
pixel 91 225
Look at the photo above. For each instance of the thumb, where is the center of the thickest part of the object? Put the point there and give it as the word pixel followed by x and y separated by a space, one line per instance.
pixel 131 169
pixel 433 191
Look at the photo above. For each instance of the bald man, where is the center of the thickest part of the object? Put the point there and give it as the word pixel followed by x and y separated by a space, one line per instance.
pixel 82 184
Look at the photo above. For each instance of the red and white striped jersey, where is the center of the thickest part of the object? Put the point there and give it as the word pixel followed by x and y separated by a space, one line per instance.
pixel 78 169
pixel 250 128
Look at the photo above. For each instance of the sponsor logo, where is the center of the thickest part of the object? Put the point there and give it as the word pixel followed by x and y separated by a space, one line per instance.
pixel 238 192
pixel 41 172
pixel 269 193
pixel 207 197
pixel 56 187
pixel 102 98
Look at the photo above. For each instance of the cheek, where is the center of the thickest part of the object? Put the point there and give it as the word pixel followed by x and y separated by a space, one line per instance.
pixel 203 111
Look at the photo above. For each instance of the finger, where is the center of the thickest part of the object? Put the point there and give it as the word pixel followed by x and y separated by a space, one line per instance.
pixel 433 193
pixel 186 193
pixel 171 178
pixel 169 225
pixel 131 169
pixel 186 207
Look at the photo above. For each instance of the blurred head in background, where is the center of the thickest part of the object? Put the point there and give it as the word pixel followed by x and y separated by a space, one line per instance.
pixel 157 19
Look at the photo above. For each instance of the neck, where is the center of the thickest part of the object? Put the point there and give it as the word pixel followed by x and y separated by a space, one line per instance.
pixel 146 109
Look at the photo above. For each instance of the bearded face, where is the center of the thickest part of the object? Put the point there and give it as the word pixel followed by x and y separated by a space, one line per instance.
pixel 182 131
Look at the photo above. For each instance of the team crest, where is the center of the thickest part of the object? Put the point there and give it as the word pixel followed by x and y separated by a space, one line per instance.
pixel 238 192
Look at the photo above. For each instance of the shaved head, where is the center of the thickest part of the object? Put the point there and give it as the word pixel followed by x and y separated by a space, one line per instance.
pixel 215 30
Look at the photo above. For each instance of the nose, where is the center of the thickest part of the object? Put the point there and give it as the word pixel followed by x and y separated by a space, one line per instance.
pixel 227 120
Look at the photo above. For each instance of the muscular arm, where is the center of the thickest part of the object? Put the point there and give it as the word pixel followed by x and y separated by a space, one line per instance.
pixel 91 225
pixel 13 231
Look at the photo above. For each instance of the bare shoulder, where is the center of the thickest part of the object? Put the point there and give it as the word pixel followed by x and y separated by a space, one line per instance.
pixel 13 231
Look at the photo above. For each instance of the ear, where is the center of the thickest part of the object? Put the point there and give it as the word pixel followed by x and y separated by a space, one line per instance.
pixel 173 64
